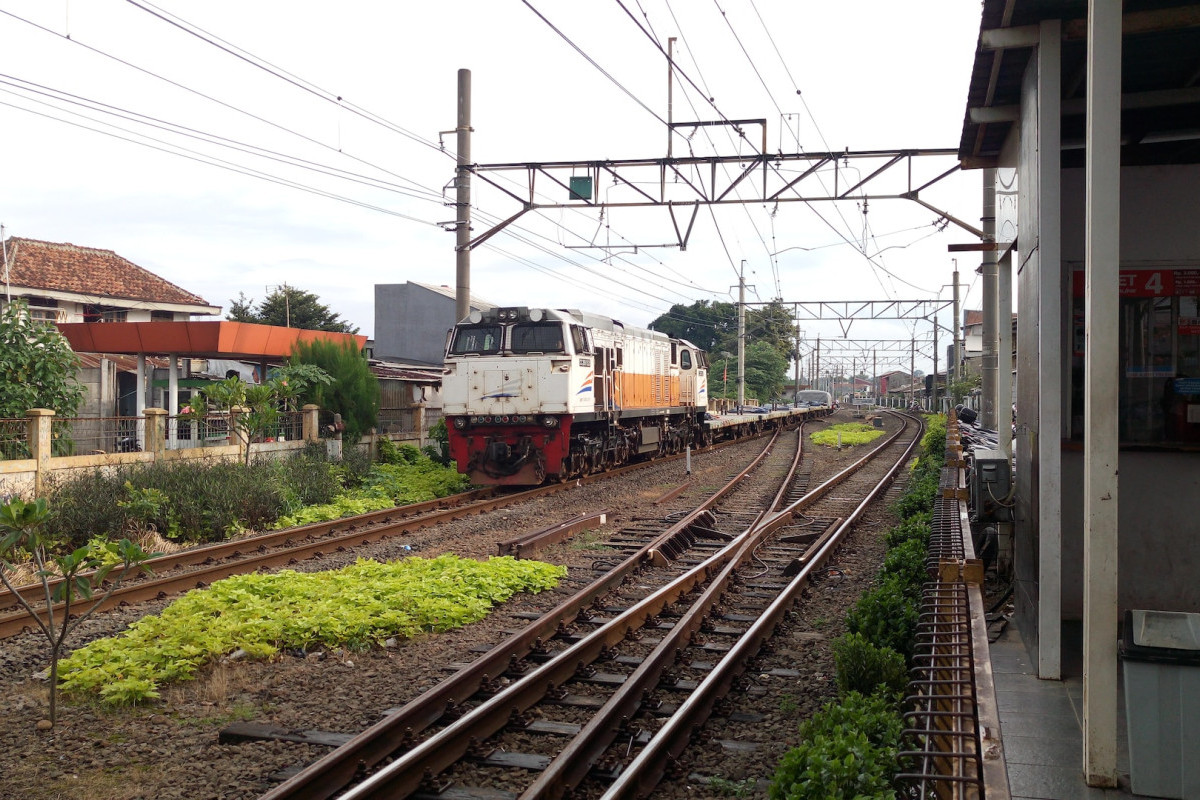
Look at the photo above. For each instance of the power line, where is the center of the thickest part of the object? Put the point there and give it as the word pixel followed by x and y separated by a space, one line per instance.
pixel 198 93
pixel 216 162
pixel 594 63
pixel 278 72
pixel 209 138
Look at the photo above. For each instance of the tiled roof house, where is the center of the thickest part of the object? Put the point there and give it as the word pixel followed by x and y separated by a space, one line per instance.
pixel 69 283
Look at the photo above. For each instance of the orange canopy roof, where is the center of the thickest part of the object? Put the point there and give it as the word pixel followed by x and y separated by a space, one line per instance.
pixel 196 339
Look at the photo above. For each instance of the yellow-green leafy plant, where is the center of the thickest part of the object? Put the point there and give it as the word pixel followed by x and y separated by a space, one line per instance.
pixel 354 607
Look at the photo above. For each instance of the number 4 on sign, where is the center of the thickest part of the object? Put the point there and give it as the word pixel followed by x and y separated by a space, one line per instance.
pixel 1154 283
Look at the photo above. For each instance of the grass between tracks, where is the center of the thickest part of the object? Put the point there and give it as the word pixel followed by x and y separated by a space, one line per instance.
pixel 355 607
pixel 850 747
pixel 846 434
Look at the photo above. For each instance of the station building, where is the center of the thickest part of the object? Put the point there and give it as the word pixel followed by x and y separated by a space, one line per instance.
pixel 1083 119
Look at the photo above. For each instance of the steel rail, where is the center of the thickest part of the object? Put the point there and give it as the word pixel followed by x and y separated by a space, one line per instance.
pixel 640 777
pixel 405 774
pixel 206 554
pixel 382 526
pixel 330 774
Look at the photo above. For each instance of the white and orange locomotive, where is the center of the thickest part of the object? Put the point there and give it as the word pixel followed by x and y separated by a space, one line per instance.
pixel 531 394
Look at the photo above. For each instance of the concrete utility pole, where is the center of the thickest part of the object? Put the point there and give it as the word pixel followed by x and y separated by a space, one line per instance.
pixel 796 392
pixel 934 396
pixel 912 369
pixel 741 376
pixel 957 332
pixel 670 95
pixel 462 200
pixel 991 311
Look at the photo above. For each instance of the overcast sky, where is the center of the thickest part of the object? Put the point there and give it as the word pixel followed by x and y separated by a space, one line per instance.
pixel 857 74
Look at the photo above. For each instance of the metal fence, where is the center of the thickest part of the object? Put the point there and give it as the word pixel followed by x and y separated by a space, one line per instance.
pixel 287 426
pixel 14 439
pixel 81 436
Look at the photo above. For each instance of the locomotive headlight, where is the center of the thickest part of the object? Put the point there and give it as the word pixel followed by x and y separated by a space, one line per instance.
pixel 460 423
pixel 550 422
pixel 535 315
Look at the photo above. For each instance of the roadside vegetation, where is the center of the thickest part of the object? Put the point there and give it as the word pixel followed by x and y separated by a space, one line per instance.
pixel 851 747
pixel 189 502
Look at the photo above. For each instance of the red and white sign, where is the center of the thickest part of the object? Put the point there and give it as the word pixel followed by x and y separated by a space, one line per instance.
pixel 1149 283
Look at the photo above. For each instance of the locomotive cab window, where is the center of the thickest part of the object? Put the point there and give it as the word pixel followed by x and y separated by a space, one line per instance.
pixel 579 338
pixel 685 359
pixel 537 337
pixel 476 339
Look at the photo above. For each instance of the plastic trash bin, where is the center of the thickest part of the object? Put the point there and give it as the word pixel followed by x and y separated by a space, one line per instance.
pixel 1160 653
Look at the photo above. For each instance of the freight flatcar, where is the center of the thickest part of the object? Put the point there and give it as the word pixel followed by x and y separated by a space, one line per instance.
pixel 531 394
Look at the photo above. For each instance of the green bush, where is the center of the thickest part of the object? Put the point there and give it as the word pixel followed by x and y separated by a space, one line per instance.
pixel 917 526
pixel 848 751
pixel 906 563
pixel 886 616
pixel 866 669
pixel 191 501
pixel 919 496
pixel 392 453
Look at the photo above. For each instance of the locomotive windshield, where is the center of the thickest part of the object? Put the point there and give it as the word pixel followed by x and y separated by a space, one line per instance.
pixel 470 339
pixel 537 337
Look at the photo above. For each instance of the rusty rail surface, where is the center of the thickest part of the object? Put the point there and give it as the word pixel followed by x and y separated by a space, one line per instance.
pixel 14 621
pixel 668 744
pixel 393 734
pixel 527 544
pixel 411 765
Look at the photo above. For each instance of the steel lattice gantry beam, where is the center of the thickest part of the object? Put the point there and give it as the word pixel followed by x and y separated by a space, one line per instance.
pixel 845 312
pixel 686 183
pixel 836 348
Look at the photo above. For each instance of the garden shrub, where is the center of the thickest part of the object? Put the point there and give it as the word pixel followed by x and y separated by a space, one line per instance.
pixel 917 526
pixel 906 563
pixel 886 616
pixel 848 751
pixel 866 669
pixel 190 501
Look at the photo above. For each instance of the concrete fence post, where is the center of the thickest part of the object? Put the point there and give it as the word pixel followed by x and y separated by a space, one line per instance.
pixel 40 446
pixel 311 422
pixel 156 431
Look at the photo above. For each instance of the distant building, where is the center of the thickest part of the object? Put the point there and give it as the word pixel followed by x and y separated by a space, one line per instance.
pixel 69 283
pixel 412 320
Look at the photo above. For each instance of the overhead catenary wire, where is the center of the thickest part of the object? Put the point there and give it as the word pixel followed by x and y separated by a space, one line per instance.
pixel 215 162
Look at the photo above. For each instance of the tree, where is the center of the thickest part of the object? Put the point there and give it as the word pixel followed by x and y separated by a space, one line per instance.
pixel 354 390
pixel 62 577
pixel 289 307
pixel 713 326
pixel 259 404
pixel 37 366
pixel 766 373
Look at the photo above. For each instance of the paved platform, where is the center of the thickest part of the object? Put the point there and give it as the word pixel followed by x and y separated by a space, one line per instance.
pixel 1041 723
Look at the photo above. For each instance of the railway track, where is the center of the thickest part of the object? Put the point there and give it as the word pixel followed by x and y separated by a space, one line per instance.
pixel 197 567
pixel 602 693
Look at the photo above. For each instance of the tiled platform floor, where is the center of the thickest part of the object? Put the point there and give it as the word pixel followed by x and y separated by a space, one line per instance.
pixel 1041 723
